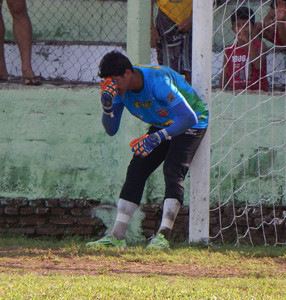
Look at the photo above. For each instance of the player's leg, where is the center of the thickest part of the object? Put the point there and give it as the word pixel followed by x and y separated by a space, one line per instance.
pixel 177 162
pixel 138 171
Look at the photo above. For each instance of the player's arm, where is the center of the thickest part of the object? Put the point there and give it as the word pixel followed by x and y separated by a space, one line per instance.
pixel 111 111
pixel 186 118
pixel 111 124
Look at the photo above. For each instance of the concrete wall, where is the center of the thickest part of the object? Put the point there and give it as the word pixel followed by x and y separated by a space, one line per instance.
pixel 52 144
pixel 248 148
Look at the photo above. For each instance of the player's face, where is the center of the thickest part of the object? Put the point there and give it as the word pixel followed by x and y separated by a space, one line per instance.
pixel 122 83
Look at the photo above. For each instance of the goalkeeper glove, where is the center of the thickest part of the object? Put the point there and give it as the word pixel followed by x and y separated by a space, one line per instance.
pixel 108 92
pixel 144 145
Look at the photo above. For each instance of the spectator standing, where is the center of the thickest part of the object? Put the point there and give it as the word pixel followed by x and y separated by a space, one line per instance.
pixel 174 35
pixel 22 30
pixel 244 65
pixel 274 23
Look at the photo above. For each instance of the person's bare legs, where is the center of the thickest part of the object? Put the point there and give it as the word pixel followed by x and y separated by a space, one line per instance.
pixel 22 29
pixel 3 69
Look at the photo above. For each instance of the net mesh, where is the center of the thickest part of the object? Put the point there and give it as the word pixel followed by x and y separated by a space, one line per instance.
pixel 248 135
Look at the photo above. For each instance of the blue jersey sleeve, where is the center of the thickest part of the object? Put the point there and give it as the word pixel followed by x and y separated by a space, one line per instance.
pixel 111 124
pixel 166 90
pixel 186 118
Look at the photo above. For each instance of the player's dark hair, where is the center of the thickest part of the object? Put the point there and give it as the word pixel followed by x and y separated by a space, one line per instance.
pixel 243 13
pixel 114 63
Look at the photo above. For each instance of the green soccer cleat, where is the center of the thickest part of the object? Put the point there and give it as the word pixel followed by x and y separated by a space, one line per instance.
pixel 108 241
pixel 158 242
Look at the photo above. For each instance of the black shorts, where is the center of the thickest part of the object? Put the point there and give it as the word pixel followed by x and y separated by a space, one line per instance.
pixel 177 155
pixel 174 49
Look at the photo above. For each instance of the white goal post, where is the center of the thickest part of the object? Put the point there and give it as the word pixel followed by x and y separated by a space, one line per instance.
pixel 201 82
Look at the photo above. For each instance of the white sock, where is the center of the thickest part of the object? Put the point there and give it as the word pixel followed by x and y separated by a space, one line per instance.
pixel 125 211
pixel 170 211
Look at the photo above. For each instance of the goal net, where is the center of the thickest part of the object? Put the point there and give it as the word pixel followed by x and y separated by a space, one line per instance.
pixel 248 133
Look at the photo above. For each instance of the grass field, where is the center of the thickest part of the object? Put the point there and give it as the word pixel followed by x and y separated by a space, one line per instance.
pixel 64 269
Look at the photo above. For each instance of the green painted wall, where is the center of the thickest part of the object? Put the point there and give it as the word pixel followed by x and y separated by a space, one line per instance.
pixel 52 145
pixel 66 20
pixel 248 148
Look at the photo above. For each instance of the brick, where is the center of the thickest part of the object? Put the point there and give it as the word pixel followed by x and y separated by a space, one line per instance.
pixel 42 210
pixel 76 211
pixel 226 221
pixel 257 222
pixel 181 226
pixel 241 220
pixel 37 203
pixel 32 221
pixel 27 210
pixel 149 224
pixel 81 203
pixel 88 221
pixel 58 211
pixel 6 201
pixel 52 203
pixel 11 220
pixel 66 203
pixel 10 210
pixel 148 232
pixel 63 220
pixel 184 210
pixel 21 230
pixel 151 215
pixel 50 230
pixel 88 212
pixel 93 203
pixel 214 230
pixel 269 230
pixel 213 220
pixel 183 219
pixel 80 230
pixel 20 202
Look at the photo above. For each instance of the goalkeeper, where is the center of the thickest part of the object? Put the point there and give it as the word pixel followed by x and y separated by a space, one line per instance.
pixel 178 120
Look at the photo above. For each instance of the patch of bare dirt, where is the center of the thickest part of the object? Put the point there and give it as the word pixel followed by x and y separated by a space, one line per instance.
pixel 44 263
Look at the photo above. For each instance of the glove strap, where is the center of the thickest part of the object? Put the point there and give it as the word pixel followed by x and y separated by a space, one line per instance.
pixel 163 135
pixel 108 113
